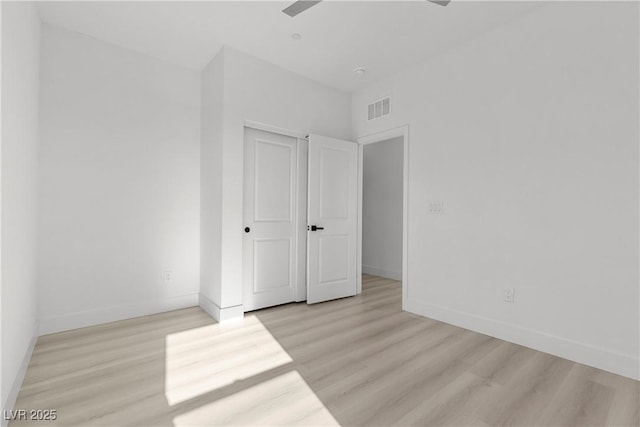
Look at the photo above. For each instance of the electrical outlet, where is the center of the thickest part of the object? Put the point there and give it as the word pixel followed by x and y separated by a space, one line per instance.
pixel 436 207
pixel 167 276
pixel 509 294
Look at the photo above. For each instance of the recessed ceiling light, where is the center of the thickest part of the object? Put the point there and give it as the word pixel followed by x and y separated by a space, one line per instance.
pixel 296 36
pixel 359 72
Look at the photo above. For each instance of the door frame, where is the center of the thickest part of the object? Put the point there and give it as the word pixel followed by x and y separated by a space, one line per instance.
pixel 401 131
pixel 300 293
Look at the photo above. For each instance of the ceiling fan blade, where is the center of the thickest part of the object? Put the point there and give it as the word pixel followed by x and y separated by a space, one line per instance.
pixel 441 2
pixel 300 6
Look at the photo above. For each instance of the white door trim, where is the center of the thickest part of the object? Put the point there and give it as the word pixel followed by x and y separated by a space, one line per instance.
pixel 402 131
pixel 274 129
pixel 301 218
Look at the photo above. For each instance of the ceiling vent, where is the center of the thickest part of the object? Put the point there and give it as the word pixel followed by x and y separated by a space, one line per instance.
pixel 379 108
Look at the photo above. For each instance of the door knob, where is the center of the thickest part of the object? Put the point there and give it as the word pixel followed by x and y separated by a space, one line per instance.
pixel 247 229
pixel 315 227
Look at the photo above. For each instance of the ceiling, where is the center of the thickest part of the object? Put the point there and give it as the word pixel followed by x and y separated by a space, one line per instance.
pixel 337 36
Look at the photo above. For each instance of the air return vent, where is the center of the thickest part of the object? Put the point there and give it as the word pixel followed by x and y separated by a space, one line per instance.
pixel 379 108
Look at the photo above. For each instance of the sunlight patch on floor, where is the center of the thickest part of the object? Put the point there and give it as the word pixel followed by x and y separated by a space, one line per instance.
pixel 205 359
pixel 283 400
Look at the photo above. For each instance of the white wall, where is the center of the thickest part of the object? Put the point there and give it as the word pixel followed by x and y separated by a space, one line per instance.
pixel 382 208
pixel 20 74
pixel 119 183
pixel 212 84
pixel 258 91
pixel 529 134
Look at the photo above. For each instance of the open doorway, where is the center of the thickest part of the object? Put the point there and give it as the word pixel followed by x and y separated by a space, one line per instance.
pixel 383 206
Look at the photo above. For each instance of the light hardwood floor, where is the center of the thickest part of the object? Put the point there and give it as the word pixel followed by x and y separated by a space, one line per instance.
pixel 356 361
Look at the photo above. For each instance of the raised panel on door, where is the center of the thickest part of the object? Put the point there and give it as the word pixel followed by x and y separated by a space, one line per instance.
pixel 271 264
pixel 272 181
pixel 332 208
pixel 333 254
pixel 270 200
pixel 334 188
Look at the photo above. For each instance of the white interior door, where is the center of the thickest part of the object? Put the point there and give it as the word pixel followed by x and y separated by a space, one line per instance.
pixel 332 219
pixel 270 209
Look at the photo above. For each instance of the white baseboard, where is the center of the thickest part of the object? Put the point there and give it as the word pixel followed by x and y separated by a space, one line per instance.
pixel 220 315
pixel 597 357
pixel 375 271
pixel 111 314
pixel 12 395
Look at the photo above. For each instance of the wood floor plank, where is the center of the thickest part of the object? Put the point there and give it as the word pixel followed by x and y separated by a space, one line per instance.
pixel 357 361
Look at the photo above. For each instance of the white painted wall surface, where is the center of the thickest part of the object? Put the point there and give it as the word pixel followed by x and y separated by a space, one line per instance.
pixel 258 91
pixel 529 134
pixel 119 180
pixel 20 77
pixel 212 84
pixel 382 209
